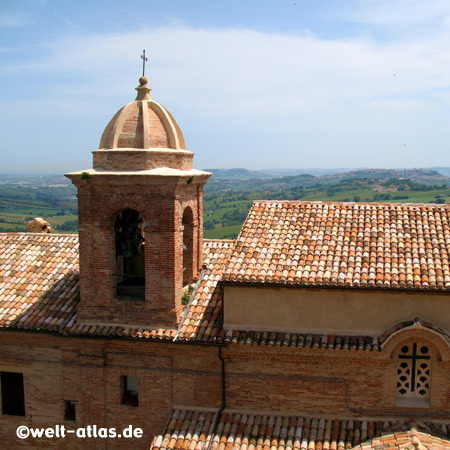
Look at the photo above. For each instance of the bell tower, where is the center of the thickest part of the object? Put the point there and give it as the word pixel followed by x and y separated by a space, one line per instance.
pixel 140 219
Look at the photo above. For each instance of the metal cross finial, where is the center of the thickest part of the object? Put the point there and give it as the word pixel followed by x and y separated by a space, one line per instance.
pixel 144 59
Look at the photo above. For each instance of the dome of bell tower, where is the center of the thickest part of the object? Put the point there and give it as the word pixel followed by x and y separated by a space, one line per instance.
pixel 142 135
pixel 142 124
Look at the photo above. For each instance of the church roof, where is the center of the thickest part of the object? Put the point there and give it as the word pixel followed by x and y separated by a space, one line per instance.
pixel 193 429
pixel 39 291
pixel 351 245
pixel 39 273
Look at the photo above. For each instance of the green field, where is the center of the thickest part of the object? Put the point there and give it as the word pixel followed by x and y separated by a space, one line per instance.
pixel 225 209
pixel 224 212
pixel 51 198
pixel 230 232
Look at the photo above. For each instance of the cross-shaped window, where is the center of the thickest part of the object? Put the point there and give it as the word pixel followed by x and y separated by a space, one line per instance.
pixel 413 373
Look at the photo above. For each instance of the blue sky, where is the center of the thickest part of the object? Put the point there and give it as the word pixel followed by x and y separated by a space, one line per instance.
pixel 255 84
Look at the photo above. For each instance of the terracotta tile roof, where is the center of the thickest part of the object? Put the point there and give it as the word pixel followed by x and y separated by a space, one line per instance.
pixel 410 439
pixel 322 341
pixel 343 244
pixel 39 291
pixel 39 281
pixel 190 430
pixel 195 430
pixel 203 318
pixel 299 340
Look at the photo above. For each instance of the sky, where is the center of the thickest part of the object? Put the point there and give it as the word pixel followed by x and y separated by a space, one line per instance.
pixel 256 83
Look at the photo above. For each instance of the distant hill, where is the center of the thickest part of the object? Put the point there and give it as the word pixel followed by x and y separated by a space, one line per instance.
pixel 315 171
pixel 236 174
pixel 435 175
pixel 425 176
pixel 229 194
pixel 249 181
pixel 443 170
pixel 247 174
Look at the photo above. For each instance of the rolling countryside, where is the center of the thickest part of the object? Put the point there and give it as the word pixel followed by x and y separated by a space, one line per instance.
pixel 229 194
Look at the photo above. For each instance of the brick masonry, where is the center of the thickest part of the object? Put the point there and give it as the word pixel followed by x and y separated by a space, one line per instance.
pixel 161 201
pixel 142 159
pixel 336 383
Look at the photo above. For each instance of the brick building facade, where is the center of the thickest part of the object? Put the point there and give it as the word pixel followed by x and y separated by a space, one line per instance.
pixel 323 326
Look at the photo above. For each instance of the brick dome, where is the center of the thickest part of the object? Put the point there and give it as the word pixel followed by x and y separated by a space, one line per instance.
pixel 143 135
pixel 142 124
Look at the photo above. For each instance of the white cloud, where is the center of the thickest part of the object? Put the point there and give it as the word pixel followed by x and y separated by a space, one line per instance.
pixel 246 71
pixel 267 90
pixel 400 14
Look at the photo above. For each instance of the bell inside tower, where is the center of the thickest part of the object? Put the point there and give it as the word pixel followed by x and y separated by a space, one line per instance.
pixel 130 258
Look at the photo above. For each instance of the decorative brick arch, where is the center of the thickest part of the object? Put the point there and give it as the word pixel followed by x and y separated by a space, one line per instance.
pixel 188 216
pixel 110 210
pixel 185 206
pixel 417 349
pixel 416 329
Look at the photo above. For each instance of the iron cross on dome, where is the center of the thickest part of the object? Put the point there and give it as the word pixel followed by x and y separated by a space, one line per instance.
pixel 144 59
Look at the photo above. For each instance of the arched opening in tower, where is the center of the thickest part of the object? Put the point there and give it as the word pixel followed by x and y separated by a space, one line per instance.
pixel 130 254
pixel 188 246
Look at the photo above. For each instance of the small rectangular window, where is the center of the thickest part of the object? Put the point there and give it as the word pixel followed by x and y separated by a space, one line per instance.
pixel 13 398
pixel 129 385
pixel 69 410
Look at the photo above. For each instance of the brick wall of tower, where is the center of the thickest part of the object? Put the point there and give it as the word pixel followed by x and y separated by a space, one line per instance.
pixel 160 201
pixel 141 159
